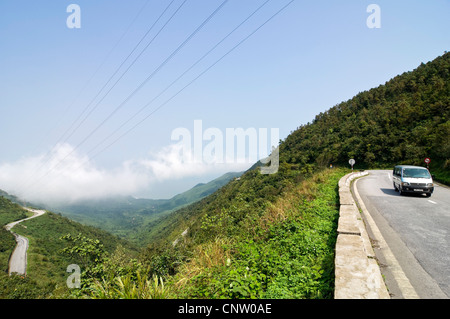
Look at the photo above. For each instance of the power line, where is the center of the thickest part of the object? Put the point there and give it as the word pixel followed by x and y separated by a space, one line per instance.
pixel 129 67
pixel 180 76
pixel 154 72
pixel 98 69
pixel 88 82
pixel 141 85
pixel 195 79
pixel 112 76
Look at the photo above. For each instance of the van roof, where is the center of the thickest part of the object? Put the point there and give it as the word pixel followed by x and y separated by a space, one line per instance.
pixel 410 166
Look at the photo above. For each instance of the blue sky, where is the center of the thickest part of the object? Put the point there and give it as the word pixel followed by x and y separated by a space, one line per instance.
pixel 310 57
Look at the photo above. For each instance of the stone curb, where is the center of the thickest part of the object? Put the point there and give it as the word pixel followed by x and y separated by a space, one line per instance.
pixel 357 274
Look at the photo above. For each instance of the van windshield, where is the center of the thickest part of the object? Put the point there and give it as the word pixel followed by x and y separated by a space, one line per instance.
pixel 416 173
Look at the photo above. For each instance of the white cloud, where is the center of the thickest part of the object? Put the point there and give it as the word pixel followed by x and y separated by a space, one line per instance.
pixel 65 175
pixel 171 164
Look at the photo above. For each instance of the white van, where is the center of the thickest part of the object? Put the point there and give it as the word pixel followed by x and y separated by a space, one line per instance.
pixel 413 179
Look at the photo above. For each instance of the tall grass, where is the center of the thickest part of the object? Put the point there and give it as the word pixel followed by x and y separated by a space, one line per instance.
pixel 130 286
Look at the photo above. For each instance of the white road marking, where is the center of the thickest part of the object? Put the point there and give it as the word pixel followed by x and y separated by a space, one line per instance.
pixel 432 202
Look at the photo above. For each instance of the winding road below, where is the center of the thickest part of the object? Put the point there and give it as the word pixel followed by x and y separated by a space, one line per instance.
pixel 18 260
pixel 410 235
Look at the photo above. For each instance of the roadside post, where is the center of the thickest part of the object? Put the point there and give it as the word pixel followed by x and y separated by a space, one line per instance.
pixel 428 161
pixel 352 162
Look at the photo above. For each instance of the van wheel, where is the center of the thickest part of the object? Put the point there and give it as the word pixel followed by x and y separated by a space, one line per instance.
pixel 395 188
pixel 400 192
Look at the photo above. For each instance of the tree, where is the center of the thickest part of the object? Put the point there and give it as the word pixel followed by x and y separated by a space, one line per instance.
pixel 88 253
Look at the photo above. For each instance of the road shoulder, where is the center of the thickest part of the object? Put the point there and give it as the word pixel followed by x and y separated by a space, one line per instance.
pixel 357 274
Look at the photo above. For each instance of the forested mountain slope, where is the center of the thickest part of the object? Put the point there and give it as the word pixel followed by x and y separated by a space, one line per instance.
pixel 401 122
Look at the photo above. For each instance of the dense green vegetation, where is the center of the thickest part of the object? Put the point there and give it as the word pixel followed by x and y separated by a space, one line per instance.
pixel 48 255
pixel 283 251
pixel 7 243
pixel 15 199
pixel 45 260
pixel 10 212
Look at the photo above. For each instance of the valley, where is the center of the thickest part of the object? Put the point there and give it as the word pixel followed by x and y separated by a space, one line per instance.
pixel 136 219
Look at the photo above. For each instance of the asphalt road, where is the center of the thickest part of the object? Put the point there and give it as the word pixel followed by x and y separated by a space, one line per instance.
pixel 18 260
pixel 416 230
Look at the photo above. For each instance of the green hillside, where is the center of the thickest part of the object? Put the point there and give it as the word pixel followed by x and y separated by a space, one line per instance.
pixel 401 122
pixel 47 262
pixel 16 200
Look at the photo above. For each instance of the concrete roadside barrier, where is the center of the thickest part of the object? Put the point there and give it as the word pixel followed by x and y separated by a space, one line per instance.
pixel 357 273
